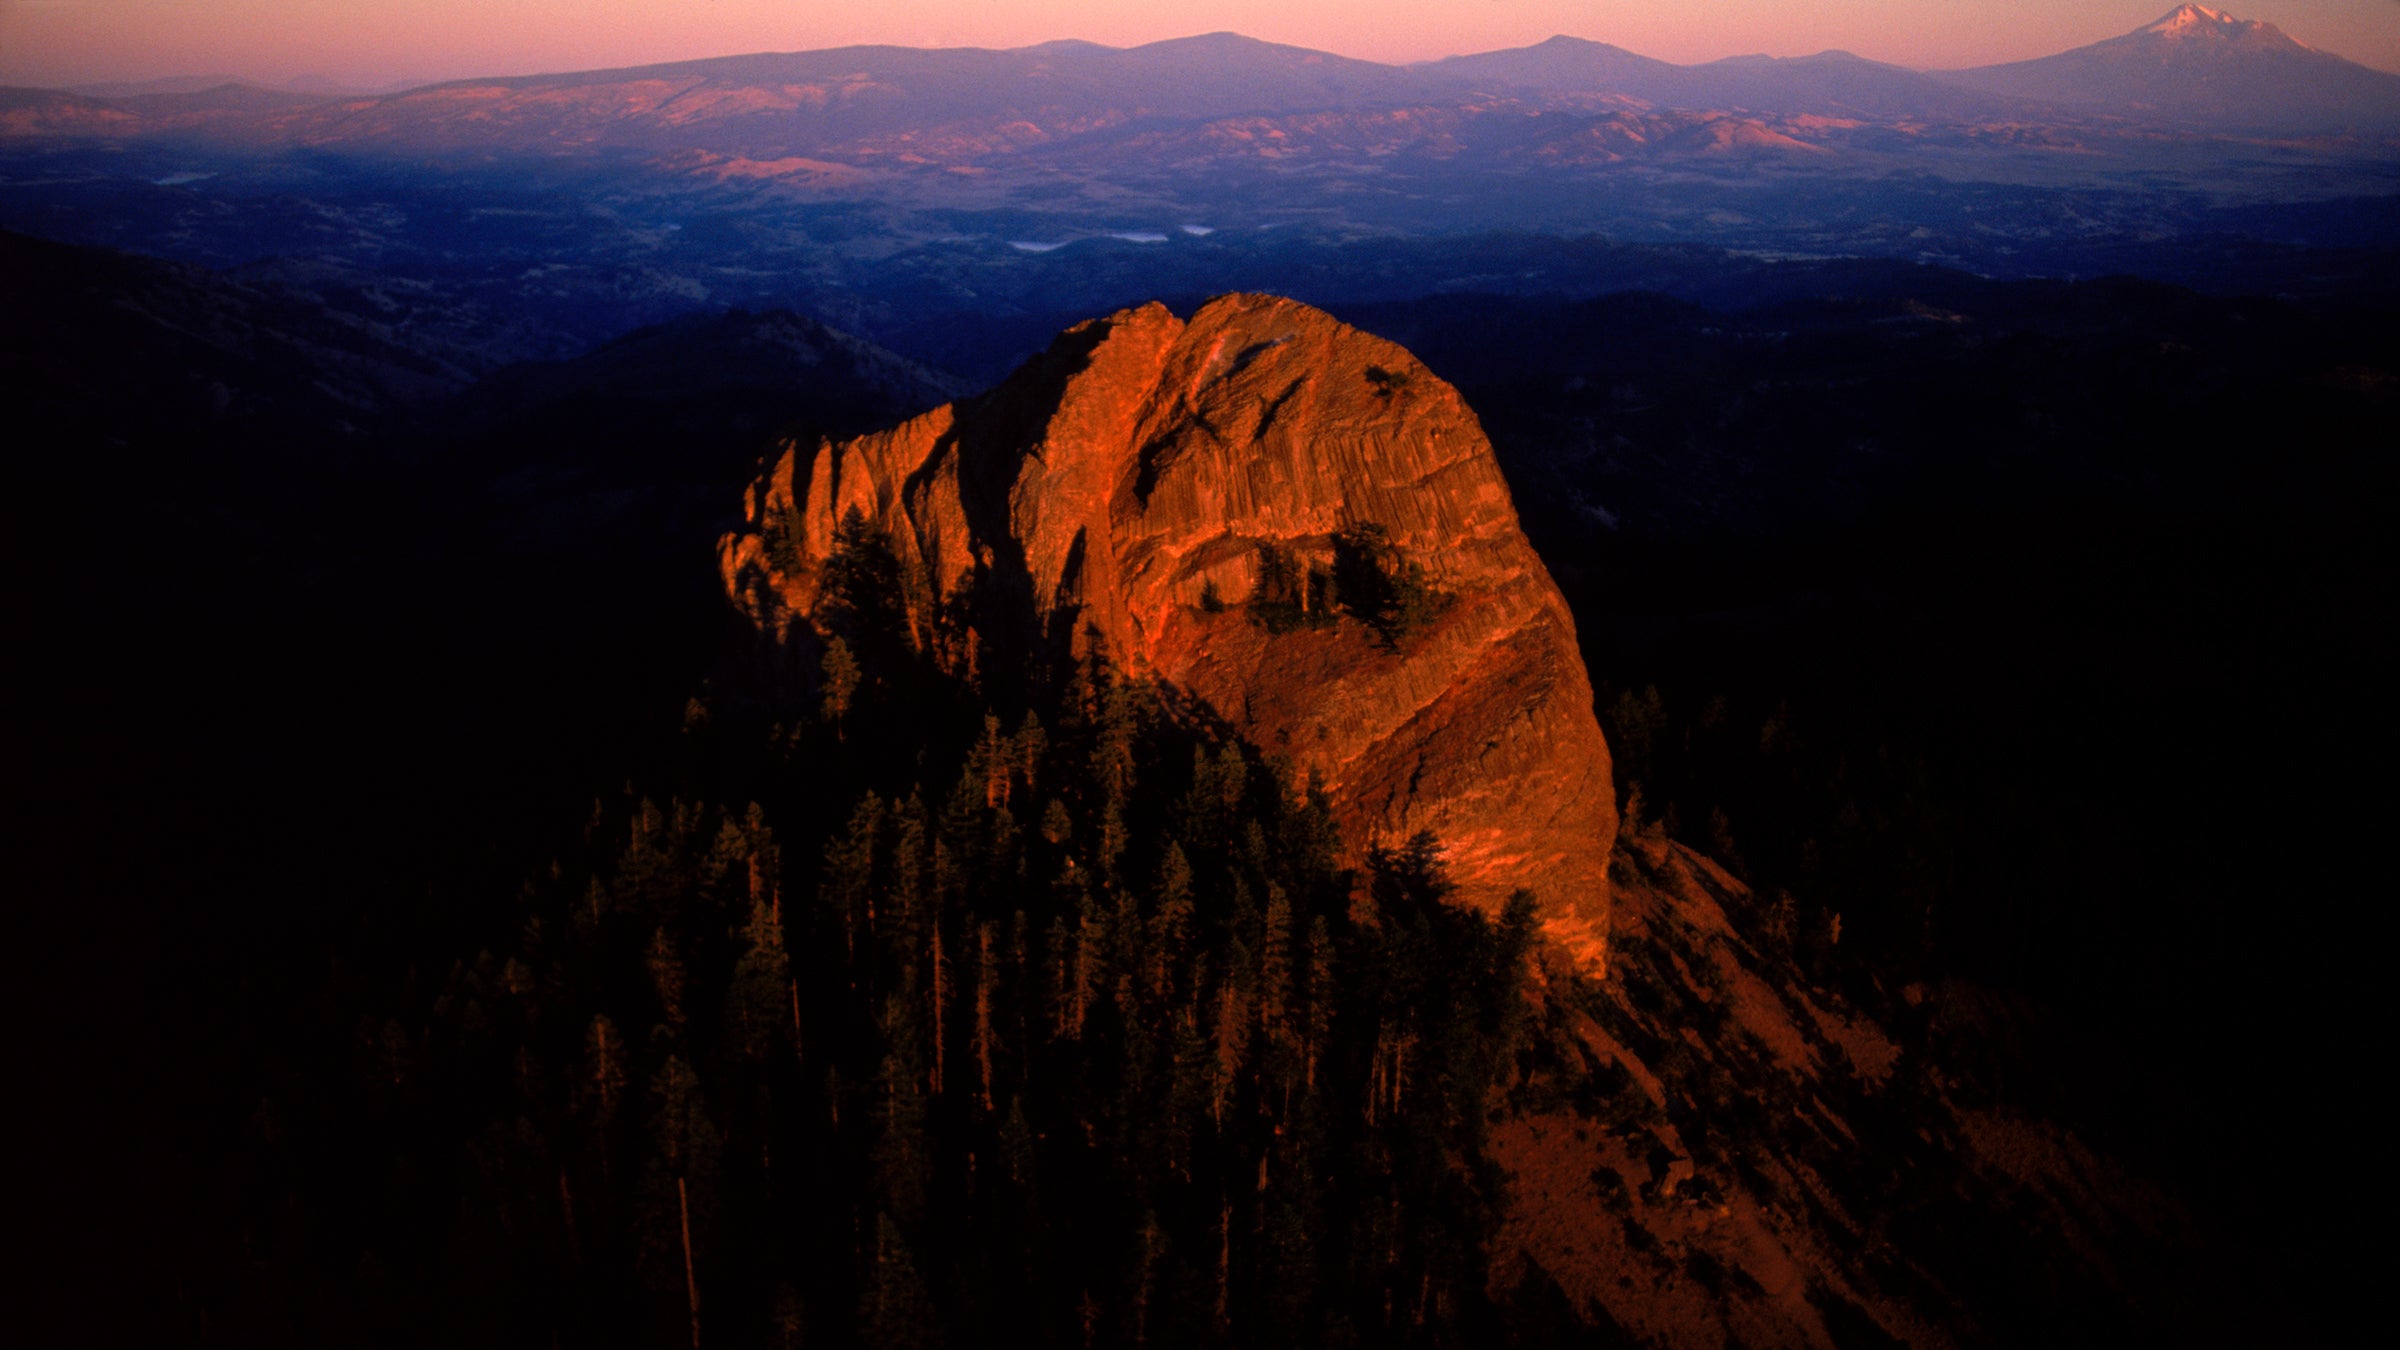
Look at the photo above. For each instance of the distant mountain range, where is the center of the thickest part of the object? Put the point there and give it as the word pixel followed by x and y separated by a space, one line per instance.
pixel 957 203
pixel 1571 69
pixel 847 106
pixel 2199 66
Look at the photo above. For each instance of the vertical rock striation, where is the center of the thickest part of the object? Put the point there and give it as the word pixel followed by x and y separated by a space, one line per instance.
pixel 1157 482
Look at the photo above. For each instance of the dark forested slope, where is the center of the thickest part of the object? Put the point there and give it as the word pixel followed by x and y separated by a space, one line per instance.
pixel 398 926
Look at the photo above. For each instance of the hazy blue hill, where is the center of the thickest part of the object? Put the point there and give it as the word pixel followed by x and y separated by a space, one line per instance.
pixel 114 342
pixel 1826 83
pixel 1229 72
pixel 227 96
pixel 28 112
pixel 1209 74
pixel 1565 65
pixel 1836 83
pixel 730 355
pixel 790 102
pixel 642 441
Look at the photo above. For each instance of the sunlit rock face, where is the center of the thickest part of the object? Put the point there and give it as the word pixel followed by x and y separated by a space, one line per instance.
pixel 1151 483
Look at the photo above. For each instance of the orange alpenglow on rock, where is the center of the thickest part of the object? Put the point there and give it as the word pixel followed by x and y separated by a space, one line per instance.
pixel 1200 495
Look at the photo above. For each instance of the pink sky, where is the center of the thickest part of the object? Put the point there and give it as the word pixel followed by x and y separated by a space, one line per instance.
pixel 372 43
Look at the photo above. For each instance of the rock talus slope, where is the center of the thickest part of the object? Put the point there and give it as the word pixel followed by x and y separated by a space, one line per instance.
pixel 1139 483
pixel 1712 1148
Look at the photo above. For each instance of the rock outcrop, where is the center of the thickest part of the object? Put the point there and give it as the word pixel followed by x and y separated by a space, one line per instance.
pixel 1714 1149
pixel 1184 492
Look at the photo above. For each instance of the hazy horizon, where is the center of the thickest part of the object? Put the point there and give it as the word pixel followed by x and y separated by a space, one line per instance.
pixel 323 42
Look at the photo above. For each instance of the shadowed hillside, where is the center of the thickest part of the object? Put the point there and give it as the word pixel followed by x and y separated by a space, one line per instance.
pixel 458 925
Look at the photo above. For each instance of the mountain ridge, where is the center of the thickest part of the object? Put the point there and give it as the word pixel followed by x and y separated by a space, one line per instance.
pixel 1292 523
pixel 1683 1189
pixel 2200 66
pixel 2193 66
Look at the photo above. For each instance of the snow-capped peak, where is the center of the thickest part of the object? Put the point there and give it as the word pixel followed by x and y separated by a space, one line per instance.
pixel 2189 17
pixel 2200 23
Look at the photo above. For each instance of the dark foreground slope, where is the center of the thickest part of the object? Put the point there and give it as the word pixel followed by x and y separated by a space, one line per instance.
pixel 280 655
pixel 316 1040
pixel 2026 630
pixel 910 996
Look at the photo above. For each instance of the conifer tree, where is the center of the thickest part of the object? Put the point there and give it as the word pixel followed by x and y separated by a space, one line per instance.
pixel 1030 745
pixel 939 995
pixel 901 1156
pixel 788 1318
pixel 838 677
pixel 1275 955
pixel 667 979
pixel 603 1078
pixel 897 1311
pixel 1232 1035
pixel 1317 1031
pixel 987 980
pixel 680 1185
pixel 908 898
pixel 1055 996
pixel 1171 921
pixel 762 980
pixel 846 895
pixel 861 596
pixel 1084 978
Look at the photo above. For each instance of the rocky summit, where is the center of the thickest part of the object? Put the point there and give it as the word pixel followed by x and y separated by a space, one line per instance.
pixel 1293 525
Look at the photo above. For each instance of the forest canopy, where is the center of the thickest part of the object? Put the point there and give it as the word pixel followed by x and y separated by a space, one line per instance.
pixel 903 1016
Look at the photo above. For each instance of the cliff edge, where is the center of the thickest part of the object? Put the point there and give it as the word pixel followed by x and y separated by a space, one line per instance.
pixel 1291 522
